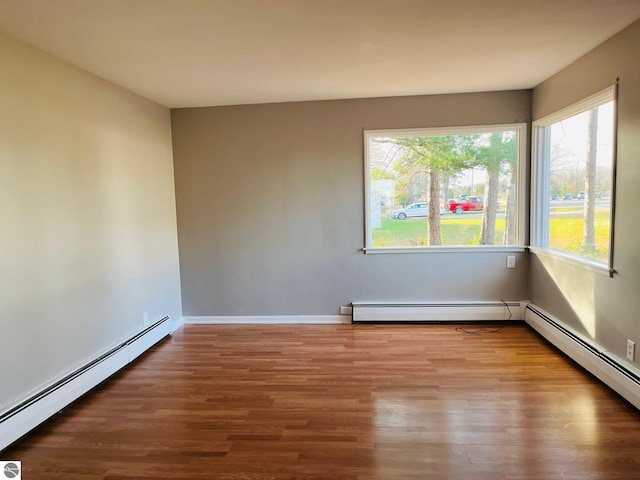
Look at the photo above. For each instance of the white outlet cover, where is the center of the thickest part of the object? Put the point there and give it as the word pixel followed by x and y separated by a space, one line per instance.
pixel 631 350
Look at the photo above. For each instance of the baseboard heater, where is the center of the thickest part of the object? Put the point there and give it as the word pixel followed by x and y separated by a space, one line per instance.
pixel 604 365
pixel 30 413
pixel 436 312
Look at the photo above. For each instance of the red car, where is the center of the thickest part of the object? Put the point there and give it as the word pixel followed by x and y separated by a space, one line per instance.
pixel 469 204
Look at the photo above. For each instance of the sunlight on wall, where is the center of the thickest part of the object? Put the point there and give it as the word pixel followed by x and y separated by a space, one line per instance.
pixel 577 288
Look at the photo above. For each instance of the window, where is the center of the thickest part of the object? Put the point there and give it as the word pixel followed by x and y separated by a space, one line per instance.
pixel 430 189
pixel 573 186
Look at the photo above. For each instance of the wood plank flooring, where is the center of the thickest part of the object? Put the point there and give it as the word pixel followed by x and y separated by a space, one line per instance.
pixel 352 402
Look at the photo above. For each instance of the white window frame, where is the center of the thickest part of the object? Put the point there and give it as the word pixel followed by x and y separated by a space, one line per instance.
pixel 520 128
pixel 540 163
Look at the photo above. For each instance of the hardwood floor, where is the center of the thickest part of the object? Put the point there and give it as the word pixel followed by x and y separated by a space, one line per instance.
pixel 341 402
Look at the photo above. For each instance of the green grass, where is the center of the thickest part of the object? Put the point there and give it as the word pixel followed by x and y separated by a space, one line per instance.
pixel 414 232
pixel 565 232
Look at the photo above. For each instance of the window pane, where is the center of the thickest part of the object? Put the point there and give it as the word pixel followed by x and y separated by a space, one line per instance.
pixel 580 183
pixel 449 189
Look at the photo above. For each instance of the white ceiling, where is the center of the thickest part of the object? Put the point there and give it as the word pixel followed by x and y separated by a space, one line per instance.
pixel 184 53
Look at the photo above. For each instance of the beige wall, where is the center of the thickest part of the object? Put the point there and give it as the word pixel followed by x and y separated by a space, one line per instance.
pixel 604 308
pixel 271 208
pixel 88 218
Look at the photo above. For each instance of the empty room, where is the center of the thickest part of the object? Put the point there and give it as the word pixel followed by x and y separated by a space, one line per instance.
pixel 295 239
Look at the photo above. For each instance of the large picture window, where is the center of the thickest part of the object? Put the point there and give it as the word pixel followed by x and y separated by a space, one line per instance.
pixel 440 188
pixel 574 153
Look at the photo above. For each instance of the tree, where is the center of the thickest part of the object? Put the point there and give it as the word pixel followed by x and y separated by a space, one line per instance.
pixel 411 180
pixel 561 168
pixel 494 154
pixel 510 213
pixel 589 231
pixel 435 155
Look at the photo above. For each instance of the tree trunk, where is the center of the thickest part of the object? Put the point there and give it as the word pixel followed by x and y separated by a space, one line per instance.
pixel 435 235
pixel 445 187
pixel 589 232
pixel 488 232
pixel 510 217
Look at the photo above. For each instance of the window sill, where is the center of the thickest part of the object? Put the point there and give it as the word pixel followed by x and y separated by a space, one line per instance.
pixel 573 260
pixel 445 249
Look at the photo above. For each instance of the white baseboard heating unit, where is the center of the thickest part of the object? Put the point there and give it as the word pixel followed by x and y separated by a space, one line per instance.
pixel 607 367
pixel 30 413
pixel 437 312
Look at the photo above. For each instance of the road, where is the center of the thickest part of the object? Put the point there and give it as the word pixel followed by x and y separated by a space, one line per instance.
pixel 571 206
pixel 575 204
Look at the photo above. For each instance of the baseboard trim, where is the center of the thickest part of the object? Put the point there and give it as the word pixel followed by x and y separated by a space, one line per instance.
pixel 406 312
pixel 268 320
pixel 607 367
pixel 177 324
pixel 28 414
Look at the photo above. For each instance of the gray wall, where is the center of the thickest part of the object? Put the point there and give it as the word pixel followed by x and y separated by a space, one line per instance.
pixel 604 308
pixel 87 203
pixel 271 208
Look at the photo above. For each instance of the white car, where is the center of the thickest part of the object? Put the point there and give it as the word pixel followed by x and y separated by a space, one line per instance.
pixel 413 210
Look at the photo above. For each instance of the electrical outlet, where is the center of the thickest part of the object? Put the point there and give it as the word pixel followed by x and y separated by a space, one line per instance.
pixel 345 310
pixel 511 261
pixel 631 350
pixel 145 319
